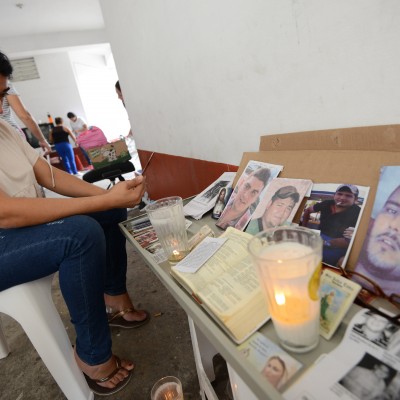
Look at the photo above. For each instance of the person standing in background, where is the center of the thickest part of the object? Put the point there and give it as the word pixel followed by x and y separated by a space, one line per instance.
pixel 60 135
pixel 78 124
pixel 130 142
pixel 12 103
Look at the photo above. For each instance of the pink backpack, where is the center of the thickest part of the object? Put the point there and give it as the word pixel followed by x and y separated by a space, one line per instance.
pixel 93 137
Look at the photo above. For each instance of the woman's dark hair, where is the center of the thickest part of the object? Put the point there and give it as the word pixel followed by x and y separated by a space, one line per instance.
pixel 117 86
pixel 58 120
pixel 71 115
pixel 6 68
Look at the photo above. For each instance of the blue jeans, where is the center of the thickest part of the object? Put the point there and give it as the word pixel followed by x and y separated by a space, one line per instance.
pixel 66 152
pixel 331 255
pixel 89 253
pixel 86 155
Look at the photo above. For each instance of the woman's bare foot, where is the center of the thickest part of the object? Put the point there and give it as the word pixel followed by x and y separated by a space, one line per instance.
pixel 123 302
pixel 117 370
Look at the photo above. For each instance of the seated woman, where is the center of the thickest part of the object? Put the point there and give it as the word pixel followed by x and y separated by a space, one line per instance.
pixel 77 236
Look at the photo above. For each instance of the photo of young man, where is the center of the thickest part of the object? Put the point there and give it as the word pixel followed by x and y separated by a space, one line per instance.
pixel 244 199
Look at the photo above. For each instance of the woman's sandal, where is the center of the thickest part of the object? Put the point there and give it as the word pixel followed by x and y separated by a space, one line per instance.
pixel 104 391
pixel 117 319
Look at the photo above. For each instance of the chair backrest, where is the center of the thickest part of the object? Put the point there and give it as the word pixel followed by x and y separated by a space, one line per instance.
pixel 93 137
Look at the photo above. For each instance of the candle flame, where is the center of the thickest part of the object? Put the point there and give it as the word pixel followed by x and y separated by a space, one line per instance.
pixel 175 252
pixel 280 299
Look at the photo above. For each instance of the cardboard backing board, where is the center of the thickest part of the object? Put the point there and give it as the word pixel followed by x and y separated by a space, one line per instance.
pixel 109 154
pixel 331 166
pixel 382 138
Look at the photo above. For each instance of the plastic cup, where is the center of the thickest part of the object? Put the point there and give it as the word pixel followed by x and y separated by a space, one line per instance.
pixel 168 220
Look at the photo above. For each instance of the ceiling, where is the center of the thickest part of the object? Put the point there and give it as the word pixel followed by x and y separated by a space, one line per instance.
pixel 31 17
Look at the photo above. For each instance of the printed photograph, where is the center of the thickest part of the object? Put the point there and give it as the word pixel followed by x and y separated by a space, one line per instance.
pixel 154 247
pixel 274 363
pixel 247 194
pixel 279 205
pixel 369 379
pixel 147 238
pixel 379 258
pixel 375 328
pixel 335 211
pixel 337 295
pixel 222 199
pixel 211 192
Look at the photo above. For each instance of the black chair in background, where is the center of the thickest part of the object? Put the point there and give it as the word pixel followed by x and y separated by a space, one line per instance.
pixel 111 172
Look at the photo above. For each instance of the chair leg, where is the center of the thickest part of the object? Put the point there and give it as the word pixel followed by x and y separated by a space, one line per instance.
pixel 4 349
pixel 32 306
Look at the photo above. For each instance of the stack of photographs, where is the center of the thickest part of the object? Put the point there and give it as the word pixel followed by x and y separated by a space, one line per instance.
pixel 143 232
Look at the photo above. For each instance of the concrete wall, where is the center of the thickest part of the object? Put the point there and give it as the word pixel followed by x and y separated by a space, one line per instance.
pixel 207 78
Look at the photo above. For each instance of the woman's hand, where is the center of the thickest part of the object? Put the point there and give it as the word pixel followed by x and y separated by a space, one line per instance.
pixel 127 194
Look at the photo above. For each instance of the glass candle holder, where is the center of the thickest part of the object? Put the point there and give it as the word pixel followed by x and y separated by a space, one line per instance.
pixel 167 388
pixel 168 220
pixel 288 261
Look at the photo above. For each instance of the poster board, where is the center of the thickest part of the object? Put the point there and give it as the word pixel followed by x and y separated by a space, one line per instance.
pixel 380 137
pixel 331 166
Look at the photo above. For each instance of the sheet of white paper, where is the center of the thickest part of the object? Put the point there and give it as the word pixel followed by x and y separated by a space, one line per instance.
pixel 345 373
pixel 192 262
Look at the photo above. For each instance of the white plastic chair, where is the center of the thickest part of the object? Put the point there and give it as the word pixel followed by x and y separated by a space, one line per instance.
pixel 32 306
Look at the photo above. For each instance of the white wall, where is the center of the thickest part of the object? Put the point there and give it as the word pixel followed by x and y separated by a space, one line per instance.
pixel 206 78
pixel 80 81
pixel 55 92
pixel 96 76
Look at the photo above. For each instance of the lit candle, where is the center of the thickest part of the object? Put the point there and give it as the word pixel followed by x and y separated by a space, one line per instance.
pixel 176 256
pixel 168 391
pixel 297 321
pixel 289 272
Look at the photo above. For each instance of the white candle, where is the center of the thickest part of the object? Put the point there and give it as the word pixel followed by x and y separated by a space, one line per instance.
pixel 168 391
pixel 176 256
pixel 289 272
pixel 296 330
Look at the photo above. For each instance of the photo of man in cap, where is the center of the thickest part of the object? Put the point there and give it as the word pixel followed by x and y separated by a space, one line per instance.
pixel 338 218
